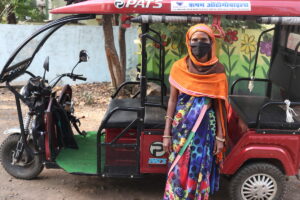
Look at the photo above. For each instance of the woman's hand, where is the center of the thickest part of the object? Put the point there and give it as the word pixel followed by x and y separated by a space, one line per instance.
pixel 218 147
pixel 167 144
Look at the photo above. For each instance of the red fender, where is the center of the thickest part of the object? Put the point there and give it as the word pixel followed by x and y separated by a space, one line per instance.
pixel 237 158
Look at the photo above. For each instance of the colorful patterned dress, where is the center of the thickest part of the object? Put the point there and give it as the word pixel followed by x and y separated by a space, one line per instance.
pixel 196 174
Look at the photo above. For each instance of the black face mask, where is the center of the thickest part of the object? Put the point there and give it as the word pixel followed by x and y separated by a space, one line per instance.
pixel 200 49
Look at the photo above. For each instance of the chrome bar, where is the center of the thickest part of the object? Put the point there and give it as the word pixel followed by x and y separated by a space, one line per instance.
pixel 170 19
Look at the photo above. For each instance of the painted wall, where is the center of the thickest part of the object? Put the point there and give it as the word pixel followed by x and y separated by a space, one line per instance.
pixel 236 52
pixel 64 46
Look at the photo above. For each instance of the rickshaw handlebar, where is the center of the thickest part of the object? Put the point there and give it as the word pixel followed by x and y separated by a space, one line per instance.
pixel 79 77
pixel 74 77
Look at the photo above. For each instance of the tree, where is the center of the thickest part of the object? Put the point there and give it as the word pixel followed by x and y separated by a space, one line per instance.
pixel 116 63
pixel 6 10
pixel 13 10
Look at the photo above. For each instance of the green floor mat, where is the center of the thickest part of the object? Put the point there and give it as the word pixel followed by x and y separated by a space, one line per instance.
pixel 82 160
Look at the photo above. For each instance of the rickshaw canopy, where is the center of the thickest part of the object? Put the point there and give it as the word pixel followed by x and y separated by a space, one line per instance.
pixel 216 7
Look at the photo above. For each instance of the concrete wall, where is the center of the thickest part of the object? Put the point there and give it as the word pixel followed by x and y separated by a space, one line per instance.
pixel 64 46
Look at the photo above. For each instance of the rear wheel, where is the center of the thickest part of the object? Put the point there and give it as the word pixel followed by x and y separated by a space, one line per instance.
pixel 28 167
pixel 258 181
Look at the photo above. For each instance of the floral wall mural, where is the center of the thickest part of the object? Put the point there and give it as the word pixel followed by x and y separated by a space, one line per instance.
pixel 236 51
pixel 229 49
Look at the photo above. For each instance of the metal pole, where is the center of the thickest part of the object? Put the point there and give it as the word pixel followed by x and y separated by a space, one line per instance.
pixel 145 29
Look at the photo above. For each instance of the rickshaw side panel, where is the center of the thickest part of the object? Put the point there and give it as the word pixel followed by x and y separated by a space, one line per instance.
pixel 283 148
pixel 153 158
pixel 120 156
pixel 236 127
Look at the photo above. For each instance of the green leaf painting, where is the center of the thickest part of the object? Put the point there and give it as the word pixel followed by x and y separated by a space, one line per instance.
pixel 266 60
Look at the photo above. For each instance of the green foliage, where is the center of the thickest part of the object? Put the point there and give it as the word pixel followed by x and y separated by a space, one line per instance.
pixel 173 40
pixel 22 9
pixel 174 37
pixel 265 66
pixel 267 37
pixel 25 8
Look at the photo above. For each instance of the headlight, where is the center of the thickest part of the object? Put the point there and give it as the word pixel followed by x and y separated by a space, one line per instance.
pixel 69 106
pixel 23 90
pixel 31 87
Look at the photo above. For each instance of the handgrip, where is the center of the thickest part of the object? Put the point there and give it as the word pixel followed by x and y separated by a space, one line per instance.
pixel 81 78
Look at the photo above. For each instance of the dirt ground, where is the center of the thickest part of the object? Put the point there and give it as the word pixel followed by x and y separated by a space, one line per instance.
pixel 59 185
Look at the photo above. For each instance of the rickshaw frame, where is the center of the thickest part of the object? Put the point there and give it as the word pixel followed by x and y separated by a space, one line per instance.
pixel 257 145
pixel 143 87
pixel 139 110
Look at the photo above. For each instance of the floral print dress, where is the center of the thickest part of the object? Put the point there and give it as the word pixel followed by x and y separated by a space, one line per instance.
pixel 196 174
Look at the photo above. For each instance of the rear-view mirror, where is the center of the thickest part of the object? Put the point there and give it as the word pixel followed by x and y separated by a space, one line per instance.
pixel 83 56
pixel 46 64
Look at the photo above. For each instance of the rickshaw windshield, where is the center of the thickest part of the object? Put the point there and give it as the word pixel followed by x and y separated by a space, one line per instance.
pixel 28 51
pixel 23 56
pixel 21 59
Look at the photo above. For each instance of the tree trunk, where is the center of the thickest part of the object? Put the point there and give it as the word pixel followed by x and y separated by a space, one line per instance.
pixel 116 72
pixel 11 17
pixel 122 45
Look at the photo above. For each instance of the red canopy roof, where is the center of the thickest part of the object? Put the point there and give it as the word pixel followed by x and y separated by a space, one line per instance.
pixel 217 7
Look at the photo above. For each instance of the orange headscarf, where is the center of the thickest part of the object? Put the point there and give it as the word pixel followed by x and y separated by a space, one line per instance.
pixel 206 29
pixel 213 85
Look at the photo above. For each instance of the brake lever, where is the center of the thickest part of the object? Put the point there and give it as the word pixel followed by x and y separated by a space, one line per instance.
pixel 83 133
pixel 78 120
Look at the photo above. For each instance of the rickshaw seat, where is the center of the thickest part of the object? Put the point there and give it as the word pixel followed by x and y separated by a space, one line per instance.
pixel 273 117
pixel 154 116
pixel 286 82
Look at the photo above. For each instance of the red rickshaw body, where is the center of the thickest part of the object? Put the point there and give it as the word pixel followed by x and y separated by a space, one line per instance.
pixel 245 145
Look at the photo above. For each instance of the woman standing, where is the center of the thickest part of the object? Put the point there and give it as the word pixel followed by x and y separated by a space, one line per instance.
pixel 195 122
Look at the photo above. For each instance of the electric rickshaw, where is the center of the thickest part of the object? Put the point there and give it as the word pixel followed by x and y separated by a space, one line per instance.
pixel 263 146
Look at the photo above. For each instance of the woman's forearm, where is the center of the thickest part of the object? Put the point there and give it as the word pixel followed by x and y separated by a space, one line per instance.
pixel 219 124
pixel 170 115
pixel 171 110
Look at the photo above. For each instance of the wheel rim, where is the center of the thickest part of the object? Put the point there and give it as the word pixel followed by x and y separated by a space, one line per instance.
pixel 259 187
pixel 25 160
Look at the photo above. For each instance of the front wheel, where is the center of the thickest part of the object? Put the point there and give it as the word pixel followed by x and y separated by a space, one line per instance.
pixel 29 167
pixel 258 181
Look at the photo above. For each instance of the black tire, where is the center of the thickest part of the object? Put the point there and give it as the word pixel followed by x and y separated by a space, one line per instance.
pixel 30 170
pixel 261 179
